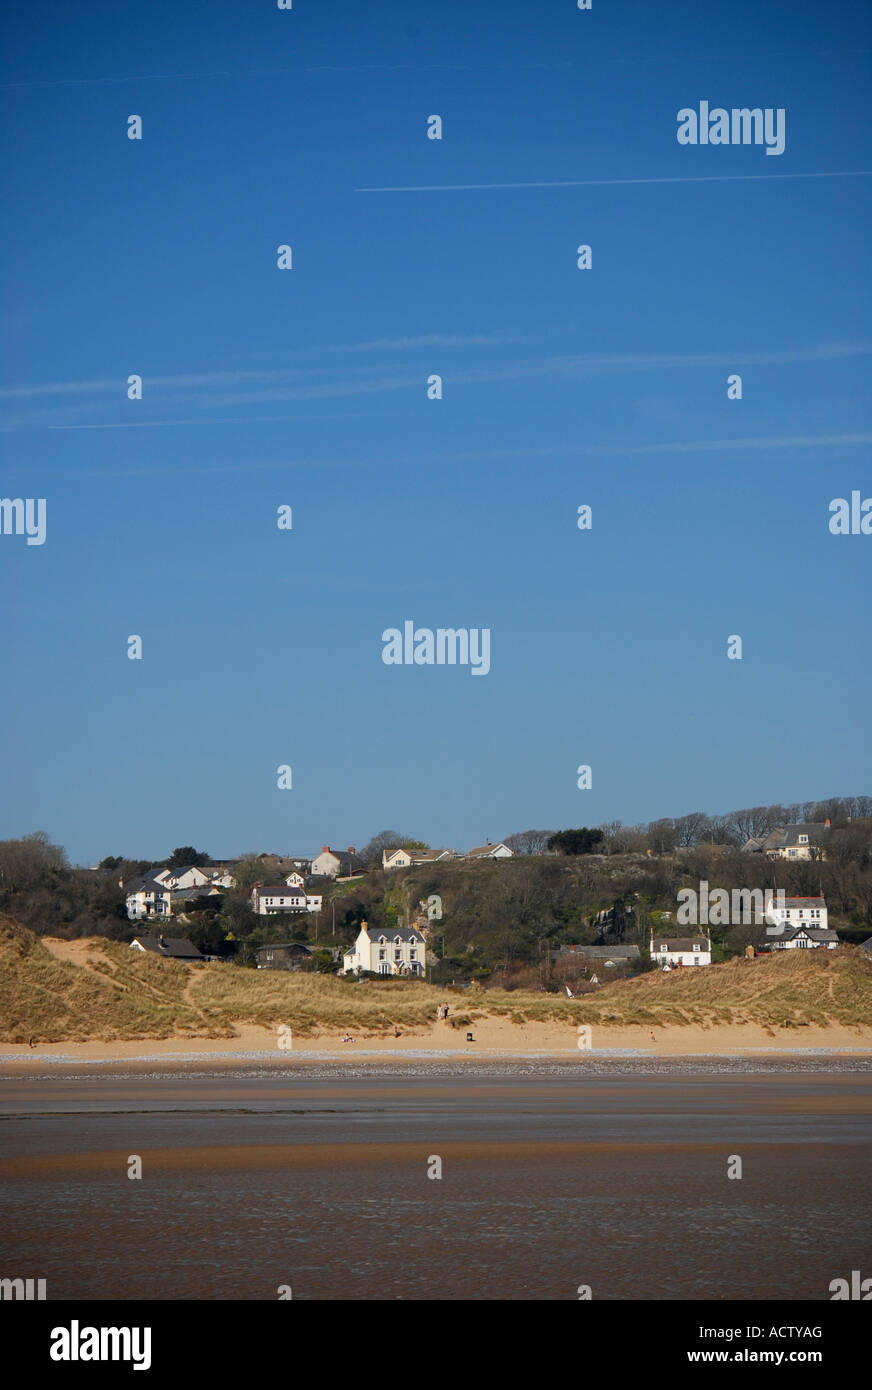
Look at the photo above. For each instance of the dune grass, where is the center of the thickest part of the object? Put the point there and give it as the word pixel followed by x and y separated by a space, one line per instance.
pixel 118 993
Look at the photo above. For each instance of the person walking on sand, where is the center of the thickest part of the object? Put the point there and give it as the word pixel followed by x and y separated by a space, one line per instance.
pixel 653 1039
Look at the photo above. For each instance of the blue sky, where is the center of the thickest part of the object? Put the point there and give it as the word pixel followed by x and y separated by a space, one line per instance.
pixel 308 388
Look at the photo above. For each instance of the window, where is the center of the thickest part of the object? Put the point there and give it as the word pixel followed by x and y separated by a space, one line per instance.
pixel 803 839
pixel 381 955
pixel 398 955
pixel 696 948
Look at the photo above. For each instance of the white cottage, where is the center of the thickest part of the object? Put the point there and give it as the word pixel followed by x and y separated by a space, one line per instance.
pixel 388 951
pixel 670 951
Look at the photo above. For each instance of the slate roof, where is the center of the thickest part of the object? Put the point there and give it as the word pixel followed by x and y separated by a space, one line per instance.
pixel 404 933
pixel 145 884
pixel 681 943
pixel 754 845
pixel 296 946
pixel 787 836
pixel 814 933
pixel 176 947
pixel 347 862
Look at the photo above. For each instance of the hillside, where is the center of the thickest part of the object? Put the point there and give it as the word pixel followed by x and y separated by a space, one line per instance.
pixel 788 989
pixel 93 989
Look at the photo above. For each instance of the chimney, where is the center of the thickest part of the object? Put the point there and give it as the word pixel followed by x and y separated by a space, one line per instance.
pixel 325 849
pixel 827 821
pixel 351 849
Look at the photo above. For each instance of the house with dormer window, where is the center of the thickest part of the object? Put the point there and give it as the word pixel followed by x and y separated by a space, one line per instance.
pixel 386 951
pixel 798 842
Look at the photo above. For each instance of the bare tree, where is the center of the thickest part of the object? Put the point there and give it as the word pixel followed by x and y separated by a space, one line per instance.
pixel 528 841
pixel 754 821
pixel 662 836
pixel 614 837
pixel 371 854
pixel 691 828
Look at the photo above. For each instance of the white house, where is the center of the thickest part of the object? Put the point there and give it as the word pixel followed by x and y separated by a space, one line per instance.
pixel 217 876
pixel 797 912
pixel 806 937
pixel 404 858
pixel 295 880
pixel 148 897
pixel 803 841
pixel 189 877
pixel 390 951
pixel 221 878
pixel 670 951
pixel 269 898
pixel 499 851
pixel 336 863
pixel 396 859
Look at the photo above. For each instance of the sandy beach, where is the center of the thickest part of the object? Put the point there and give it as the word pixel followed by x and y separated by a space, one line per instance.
pixel 492 1037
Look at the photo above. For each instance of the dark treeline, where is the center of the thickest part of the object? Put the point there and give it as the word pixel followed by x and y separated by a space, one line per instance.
pixel 499 916
pixel 698 827
pixel 495 916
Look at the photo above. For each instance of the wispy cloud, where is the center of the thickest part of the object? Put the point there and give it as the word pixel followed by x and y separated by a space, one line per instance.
pixel 428 340
pixel 211 391
pixel 749 444
pixel 611 183
pixel 684 446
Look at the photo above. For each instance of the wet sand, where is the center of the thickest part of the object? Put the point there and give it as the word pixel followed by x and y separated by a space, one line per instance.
pixel 254 1178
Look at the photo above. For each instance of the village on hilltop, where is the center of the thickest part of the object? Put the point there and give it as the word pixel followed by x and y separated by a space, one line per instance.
pixel 294 887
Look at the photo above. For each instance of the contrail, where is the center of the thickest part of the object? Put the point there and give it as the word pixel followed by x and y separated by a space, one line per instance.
pixel 611 183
